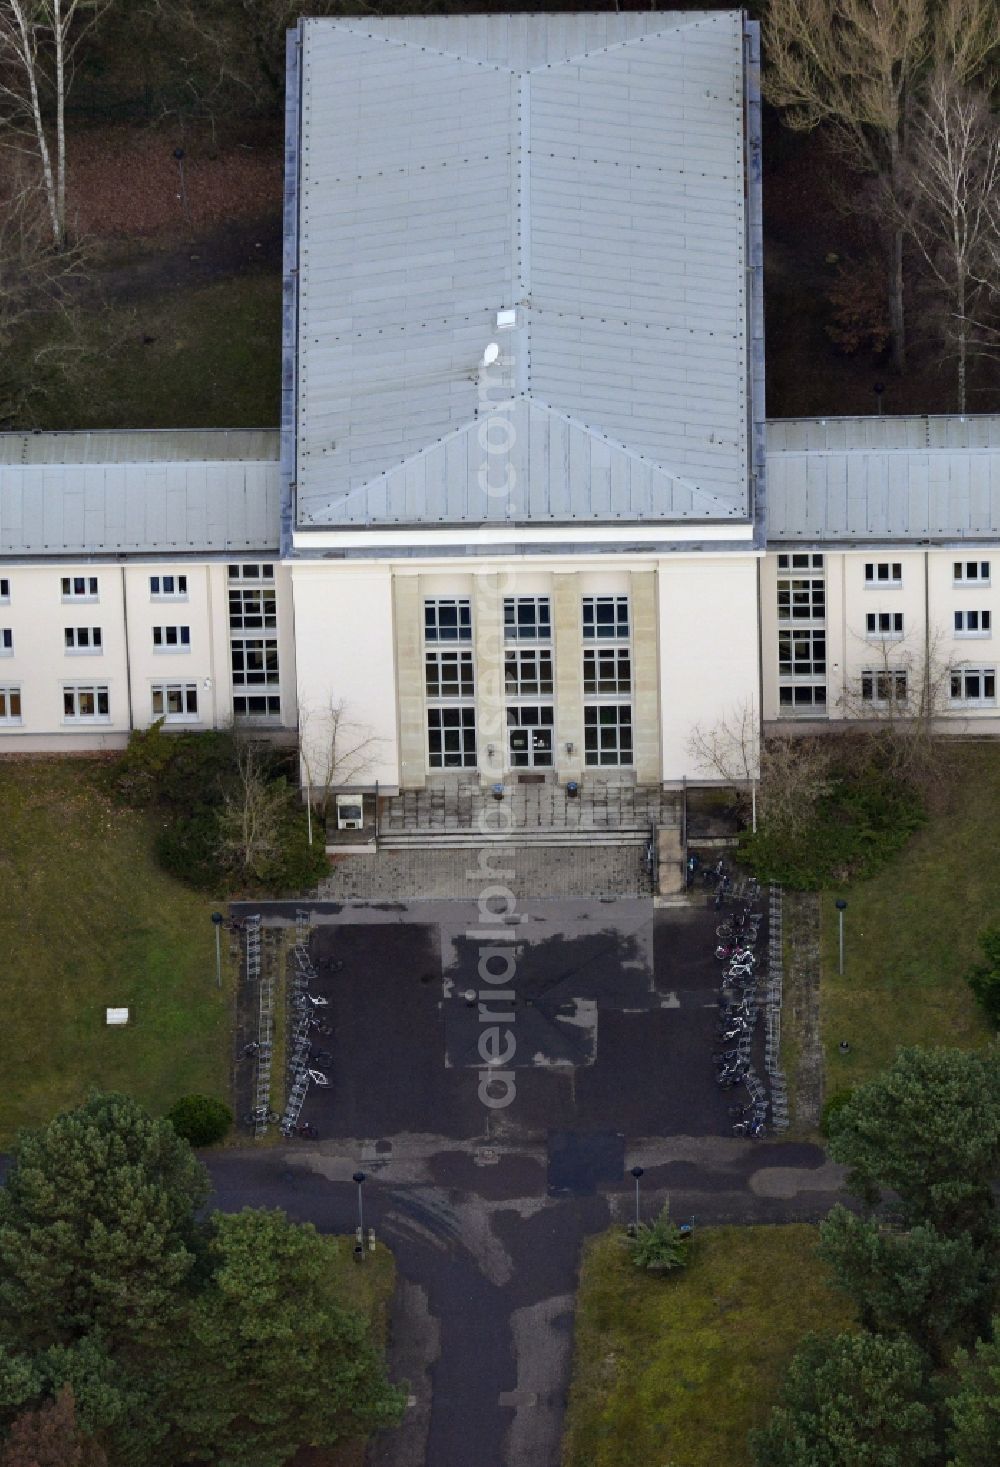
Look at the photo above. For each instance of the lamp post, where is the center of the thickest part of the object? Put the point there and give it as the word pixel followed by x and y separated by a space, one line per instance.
pixel 359 1251
pixel 637 1172
pixel 217 924
pixel 841 909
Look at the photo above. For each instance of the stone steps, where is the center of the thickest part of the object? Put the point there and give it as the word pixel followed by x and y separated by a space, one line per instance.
pixel 471 840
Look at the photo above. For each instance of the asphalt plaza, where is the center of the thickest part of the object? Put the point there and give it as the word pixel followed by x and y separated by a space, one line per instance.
pixel 601 1014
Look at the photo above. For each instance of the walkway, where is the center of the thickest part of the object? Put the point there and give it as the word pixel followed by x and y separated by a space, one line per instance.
pixel 459 805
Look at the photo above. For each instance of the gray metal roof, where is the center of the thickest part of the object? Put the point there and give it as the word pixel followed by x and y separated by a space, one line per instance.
pixel 883 479
pixel 91 494
pixel 586 170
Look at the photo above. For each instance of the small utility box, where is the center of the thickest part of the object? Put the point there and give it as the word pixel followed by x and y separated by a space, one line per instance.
pixel 115 1018
pixel 350 812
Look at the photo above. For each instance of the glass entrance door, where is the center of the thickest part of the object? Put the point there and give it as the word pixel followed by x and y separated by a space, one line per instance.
pixel 530 736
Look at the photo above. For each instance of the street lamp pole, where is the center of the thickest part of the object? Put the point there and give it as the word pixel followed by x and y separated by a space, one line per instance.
pixel 217 924
pixel 637 1172
pixel 841 909
pixel 360 1178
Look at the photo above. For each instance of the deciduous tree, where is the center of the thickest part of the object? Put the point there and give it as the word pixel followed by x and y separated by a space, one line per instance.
pixel 51 1437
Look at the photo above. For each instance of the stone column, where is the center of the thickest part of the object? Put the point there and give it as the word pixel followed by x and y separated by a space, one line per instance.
pixel 645 678
pixel 408 617
pixel 487 625
pixel 568 643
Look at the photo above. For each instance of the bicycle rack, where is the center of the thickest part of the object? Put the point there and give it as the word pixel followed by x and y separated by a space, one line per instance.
pixel 302 975
pixel 772 1012
pixel 259 972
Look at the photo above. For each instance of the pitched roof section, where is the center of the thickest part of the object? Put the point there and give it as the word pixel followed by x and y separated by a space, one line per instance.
pixel 836 480
pixel 84 494
pixel 585 171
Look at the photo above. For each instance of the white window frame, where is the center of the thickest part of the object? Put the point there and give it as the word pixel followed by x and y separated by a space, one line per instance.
pixel 449 674
pixel 83 641
pixel 616 629
pixel 6 642
pixel 253 608
pixel 181 643
pixel 970 572
pixel 462 629
pixel 884 687
pixel 801 560
pixel 157 593
pixel 597 658
pixel 794 667
pixel 891 581
pixel 527 717
pixel 98 691
pixel 451 718
pixel 255 572
pixel 875 631
pixel 536 626
pixel 982 629
pixel 963 698
pixel 69 592
pixel 4 590
pixel 524 673
pixel 9 694
pixel 593 720
pixel 163 691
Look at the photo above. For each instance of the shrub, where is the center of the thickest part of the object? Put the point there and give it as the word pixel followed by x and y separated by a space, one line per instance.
pixel 660 1246
pixel 188 847
pixel 984 978
pixel 199 1119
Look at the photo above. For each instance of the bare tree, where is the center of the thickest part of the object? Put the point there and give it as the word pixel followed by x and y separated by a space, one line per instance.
pixel 39 40
pixel 791 774
pixel 948 206
pixel 251 814
pixel 900 697
pixel 334 751
pixel 853 68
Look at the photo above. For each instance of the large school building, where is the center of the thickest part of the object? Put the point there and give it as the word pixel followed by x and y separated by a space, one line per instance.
pixel 524 516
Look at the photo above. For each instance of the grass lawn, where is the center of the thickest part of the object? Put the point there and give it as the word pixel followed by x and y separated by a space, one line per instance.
pixel 674 1371
pixel 88 921
pixel 911 933
pixel 213 360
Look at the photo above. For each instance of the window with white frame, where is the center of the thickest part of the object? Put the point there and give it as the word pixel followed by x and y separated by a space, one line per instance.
pixel 256 677
pixel 83 639
pixel 528 672
pixel 10 704
pixel 884 623
pixel 451 737
pixel 884 573
pixel 79 588
pixel 802 652
pixel 172 639
pixel 973 687
pixel 883 687
pixel 800 560
pixel 449 674
pixel 168 588
pixel 607 734
pixel 254 662
pixel 605 618
pixel 801 598
pixel 448 619
pixel 175 702
pixel 527 619
pixel 971 572
pixel 973 624
pixel 88 703
pixel 607 670
pixel 4 588
pixel 6 642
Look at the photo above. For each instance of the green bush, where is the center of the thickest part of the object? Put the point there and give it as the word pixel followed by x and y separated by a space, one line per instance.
pixel 200 1120
pixel 984 978
pixel 660 1246
pixel 831 1109
pixel 188 847
pixel 867 816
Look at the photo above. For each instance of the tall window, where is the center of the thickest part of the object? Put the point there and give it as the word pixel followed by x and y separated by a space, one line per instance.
pixel 801 594
pixel 10 704
pixel 529 682
pixel 86 704
pixel 450 683
pixel 4 588
pixel 253 642
pixel 6 642
pixel 527 619
pixel 607 682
